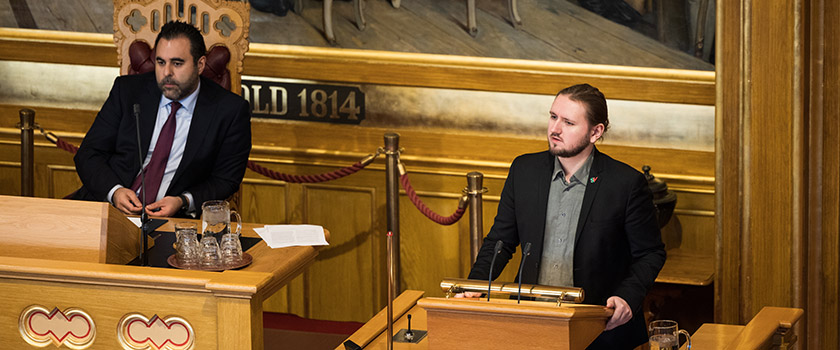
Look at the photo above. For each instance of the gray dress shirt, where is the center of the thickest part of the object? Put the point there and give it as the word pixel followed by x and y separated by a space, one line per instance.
pixel 561 219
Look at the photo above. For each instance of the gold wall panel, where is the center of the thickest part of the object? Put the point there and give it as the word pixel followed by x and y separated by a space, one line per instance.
pixel 62 180
pixel 10 177
pixel 339 283
pixel 263 201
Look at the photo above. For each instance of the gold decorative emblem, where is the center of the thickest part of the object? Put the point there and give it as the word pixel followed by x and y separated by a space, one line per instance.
pixel 136 332
pixel 72 327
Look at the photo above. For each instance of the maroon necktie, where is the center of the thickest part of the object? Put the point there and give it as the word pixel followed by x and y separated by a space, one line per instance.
pixel 156 166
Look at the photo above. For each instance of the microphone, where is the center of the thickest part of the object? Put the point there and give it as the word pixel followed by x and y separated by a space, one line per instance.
pixel 496 251
pixel 144 258
pixel 525 252
pixel 350 345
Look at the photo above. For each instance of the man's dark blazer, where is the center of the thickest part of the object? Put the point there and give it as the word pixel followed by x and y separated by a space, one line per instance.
pixel 215 155
pixel 618 247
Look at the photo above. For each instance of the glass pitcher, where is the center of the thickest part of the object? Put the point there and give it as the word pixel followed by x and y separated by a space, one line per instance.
pixel 215 219
pixel 664 335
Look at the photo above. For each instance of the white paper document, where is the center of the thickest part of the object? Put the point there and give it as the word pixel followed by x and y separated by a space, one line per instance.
pixel 135 220
pixel 279 236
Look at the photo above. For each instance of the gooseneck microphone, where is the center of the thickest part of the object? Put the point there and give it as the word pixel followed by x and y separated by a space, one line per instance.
pixel 144 219
pixel 525 252
pixel 496 251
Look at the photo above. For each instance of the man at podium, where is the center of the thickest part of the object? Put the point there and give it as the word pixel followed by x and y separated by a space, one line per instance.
pixel 195 135
pixel 589 219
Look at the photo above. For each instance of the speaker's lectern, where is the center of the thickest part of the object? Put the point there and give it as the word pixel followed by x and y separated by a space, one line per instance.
pixel 479 324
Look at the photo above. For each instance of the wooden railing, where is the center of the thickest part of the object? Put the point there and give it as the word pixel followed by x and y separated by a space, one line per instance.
pixel 394 68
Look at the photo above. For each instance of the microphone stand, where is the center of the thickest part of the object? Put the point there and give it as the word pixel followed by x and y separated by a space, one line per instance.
pixel 389 339
pixel 496 250
pixel 144 218
pixel 525 252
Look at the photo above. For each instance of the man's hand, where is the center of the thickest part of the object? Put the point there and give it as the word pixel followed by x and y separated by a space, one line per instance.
pixel 468 295
pixel 622 312
pixel 127 202
pixel 167 206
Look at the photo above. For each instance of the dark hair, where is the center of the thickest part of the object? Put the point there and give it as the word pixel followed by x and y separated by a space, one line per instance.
pixel 592 99
pixel 176 29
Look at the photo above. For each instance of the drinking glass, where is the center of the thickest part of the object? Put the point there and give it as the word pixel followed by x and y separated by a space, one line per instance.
pixel 210 257
pixel 231 249
pixel 664 335
pixel 186 244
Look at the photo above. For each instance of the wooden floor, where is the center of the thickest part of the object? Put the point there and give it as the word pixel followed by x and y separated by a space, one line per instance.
pixel 555 30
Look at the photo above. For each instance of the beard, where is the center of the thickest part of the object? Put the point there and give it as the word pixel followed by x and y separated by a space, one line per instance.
pixel 570 152
pixel 180 90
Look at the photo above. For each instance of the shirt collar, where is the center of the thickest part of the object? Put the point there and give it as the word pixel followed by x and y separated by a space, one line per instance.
pixel 187 103
pixel 582 173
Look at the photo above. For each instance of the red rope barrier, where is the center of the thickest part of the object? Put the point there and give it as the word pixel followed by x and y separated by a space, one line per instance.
pixel 333 175
pixel 60 143
pixel 449 220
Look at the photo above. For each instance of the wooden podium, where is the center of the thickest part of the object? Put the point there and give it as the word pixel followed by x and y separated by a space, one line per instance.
pixel 54 292
pixel 66 230
pixel 479 324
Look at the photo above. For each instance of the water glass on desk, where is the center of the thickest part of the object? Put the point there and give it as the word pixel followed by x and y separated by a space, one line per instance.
pixel 231 249
pixel 210 256
pixel 664 335
pixel 186 244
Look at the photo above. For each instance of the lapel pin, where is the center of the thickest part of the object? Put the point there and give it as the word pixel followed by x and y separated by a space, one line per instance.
pixel 593 179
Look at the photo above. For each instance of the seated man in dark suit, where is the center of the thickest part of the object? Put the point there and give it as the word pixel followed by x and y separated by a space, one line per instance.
pixel 195 136
pixel 589 218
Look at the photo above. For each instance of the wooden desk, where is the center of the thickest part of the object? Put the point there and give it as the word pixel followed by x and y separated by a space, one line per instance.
pixel 223 309
pixel 713 336
pixel 771 328
pixel 372 335
pixel 687 268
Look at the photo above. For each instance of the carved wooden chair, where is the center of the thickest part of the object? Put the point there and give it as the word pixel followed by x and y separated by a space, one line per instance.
pixel 225 25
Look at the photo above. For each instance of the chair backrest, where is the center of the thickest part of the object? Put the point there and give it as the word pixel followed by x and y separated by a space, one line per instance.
pixel 225 25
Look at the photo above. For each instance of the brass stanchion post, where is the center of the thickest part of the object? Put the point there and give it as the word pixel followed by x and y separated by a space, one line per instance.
pixel 474 191
pixel 392 192
pixel 27 152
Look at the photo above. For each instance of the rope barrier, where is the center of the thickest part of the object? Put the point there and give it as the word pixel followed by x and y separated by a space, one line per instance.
pixel 333 175
pixel 418 203
pixel 60 143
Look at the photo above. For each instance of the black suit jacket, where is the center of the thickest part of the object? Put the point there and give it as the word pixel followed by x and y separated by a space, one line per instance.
pixel 215 155
pixel 618 248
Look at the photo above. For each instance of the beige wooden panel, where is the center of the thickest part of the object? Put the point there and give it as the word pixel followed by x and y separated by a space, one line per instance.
pixel 774 224
pixel 237 313
pixel 697 233
pixel 343 283
pixel 9 177
pixel 106 305
pixel 289 299
pixel 63 180
pixel 430 252
pixel 263 200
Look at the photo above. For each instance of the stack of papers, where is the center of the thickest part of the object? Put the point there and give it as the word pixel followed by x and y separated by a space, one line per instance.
pixel 279 236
